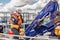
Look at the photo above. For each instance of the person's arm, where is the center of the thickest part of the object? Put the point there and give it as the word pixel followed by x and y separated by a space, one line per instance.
pixel 10 21
pixel 20 21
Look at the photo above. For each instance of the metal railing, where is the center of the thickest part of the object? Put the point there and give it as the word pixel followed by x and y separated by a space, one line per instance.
pixel 7 36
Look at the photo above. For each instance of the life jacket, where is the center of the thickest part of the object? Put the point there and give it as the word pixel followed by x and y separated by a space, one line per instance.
pixel 20 20
pixel 16 21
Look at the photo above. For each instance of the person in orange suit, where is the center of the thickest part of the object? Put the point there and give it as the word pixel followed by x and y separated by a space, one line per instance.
pixel 15 22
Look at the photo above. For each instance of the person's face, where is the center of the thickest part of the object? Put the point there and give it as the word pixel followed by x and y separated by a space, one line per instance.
pixel 17 14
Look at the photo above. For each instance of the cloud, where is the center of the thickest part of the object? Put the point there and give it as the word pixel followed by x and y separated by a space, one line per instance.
pixel 37 5
pixel 1 4
pixel 27 4
pixel 18 3
pixel 9 5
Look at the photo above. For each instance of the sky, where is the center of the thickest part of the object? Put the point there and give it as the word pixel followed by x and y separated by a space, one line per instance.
pixel 9 4
pixel 33 4
pixel 13 2
pixel 3 2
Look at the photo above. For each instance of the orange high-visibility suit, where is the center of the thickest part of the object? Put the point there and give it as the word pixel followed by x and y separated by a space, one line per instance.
pixel 16 26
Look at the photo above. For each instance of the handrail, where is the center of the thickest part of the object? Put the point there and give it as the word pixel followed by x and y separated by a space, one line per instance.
pixel 39 37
